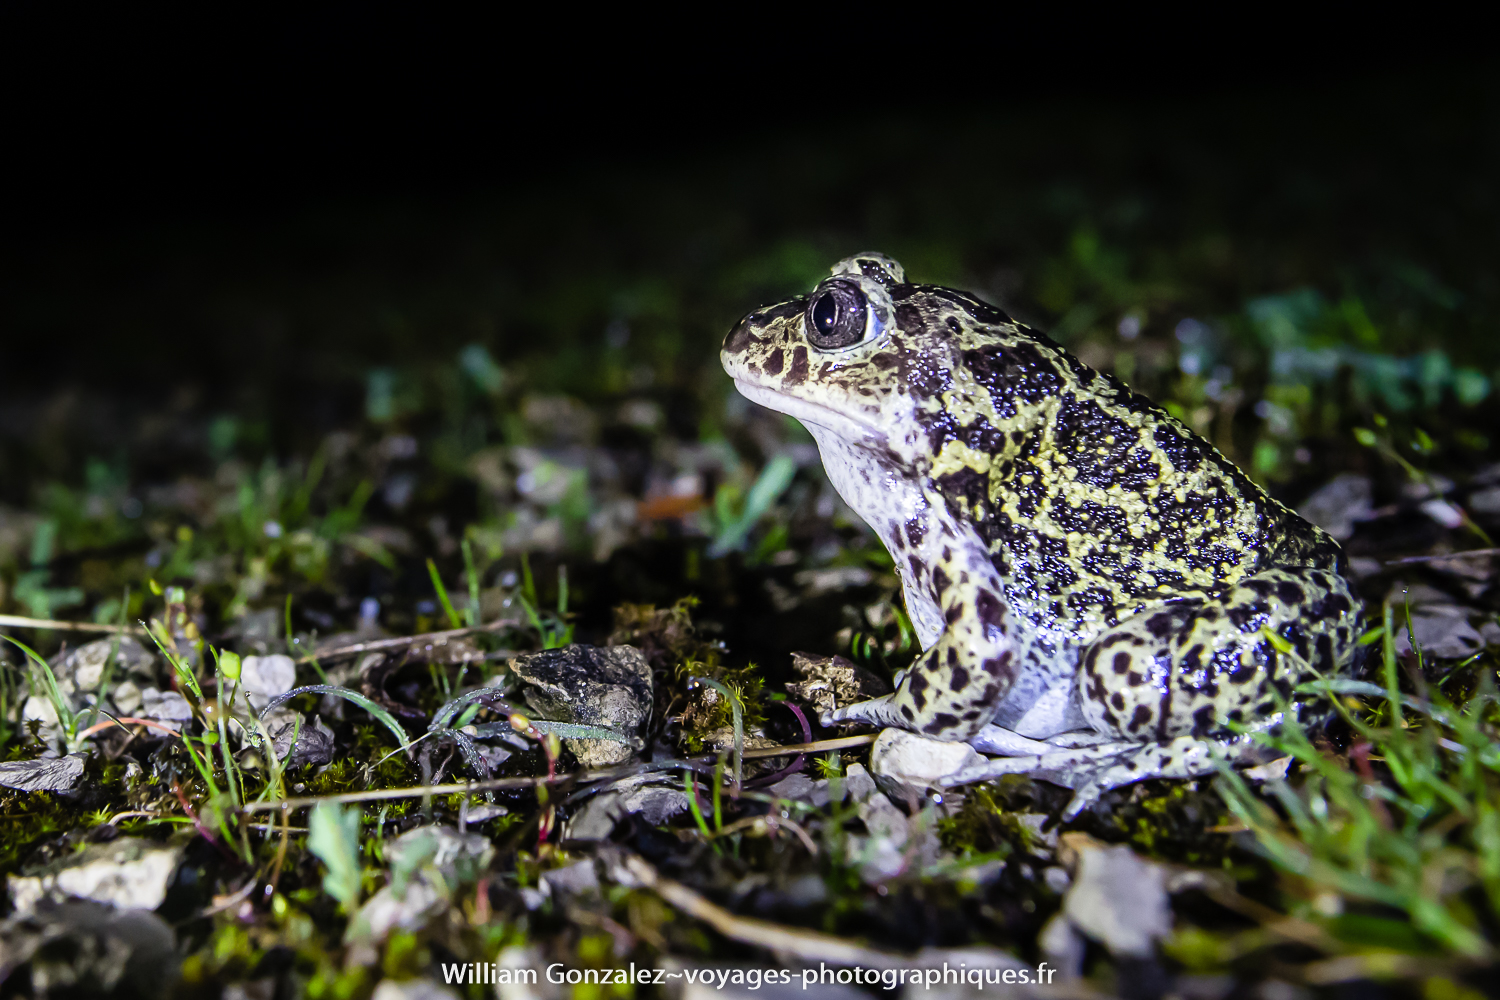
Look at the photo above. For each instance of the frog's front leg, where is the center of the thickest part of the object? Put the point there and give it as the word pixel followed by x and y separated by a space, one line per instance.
pixel 952 690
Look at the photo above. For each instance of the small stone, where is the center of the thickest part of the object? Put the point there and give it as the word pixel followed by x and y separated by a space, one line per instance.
pixel 1439 626
pixel 127 873
pixel 45 774
pixel 594 686
pixel 654 798
pixel 1270 771
pixel 577 879
pixel 412 989
pixel 264 677
pixel 461 857
pixel 164 706
pixel 127 697
pixel 882 854
pixel 315 743
pixel 1485 501
pixel 88 949
pixel 1062 945
pixel 481 812
pixel 41 709
pixel 801 788
pixel 1338 504
pixel 82 669
pixel 420 900
pixel 428 864
pixel 1117 898
pixel 919 760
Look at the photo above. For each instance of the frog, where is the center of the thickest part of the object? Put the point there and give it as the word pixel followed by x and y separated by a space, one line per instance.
pixel 1100 595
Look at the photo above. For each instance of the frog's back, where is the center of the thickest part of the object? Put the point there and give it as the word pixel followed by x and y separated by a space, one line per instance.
pixel 1095 503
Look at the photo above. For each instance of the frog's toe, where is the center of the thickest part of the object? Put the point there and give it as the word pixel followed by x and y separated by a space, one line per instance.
pixel 1005 743
pixel 1084 796
pixel 877 711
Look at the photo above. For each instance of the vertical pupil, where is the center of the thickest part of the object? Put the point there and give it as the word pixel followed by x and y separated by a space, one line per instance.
pixel 826 313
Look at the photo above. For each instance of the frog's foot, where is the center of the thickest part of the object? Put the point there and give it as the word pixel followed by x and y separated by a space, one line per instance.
pixel 880 712
pixel 1091 771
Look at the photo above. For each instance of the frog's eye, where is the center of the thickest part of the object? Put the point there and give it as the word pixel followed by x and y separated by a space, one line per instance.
pixel 837 316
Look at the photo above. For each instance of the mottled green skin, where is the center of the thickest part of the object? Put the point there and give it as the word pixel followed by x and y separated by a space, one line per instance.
pixel 1073 557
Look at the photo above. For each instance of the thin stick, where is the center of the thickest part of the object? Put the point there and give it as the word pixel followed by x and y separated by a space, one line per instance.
pixel 1441 556
pixel 377 645
pixel 497 784
pixel 809 946
pixel 420 791
pixel 20 621
pixel 840 743
pixel 803 944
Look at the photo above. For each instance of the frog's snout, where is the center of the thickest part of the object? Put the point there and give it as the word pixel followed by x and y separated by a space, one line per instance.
pixel 739 338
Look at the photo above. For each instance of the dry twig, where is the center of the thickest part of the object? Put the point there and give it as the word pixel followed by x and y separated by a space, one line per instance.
pixel 21 621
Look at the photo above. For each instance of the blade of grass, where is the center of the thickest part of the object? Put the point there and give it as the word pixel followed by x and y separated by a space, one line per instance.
pixel 65 716
pixel 471 613
pixel 738 716
pixel 442 593
pixel 690 789
pixel 184 672
pixel 378 713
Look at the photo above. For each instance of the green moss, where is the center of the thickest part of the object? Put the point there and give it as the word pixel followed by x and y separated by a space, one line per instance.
pixel 987 821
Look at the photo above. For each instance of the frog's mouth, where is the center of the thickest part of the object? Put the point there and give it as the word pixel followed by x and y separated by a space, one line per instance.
pixel 850 428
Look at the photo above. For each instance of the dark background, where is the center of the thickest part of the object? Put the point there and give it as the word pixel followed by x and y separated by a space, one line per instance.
pixel 246 216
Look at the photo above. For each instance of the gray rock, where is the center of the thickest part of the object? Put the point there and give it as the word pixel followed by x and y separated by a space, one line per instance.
pixel 127 873
pixel 577 879
pixel 1119 899
pixel 480 812
pixel 408 907
pixel 801 788
pixel 45 774
pixel 882 854
pixel 264 677
pixel 1062 945
pixel 412 989
pixel 653 797
pixel 79 674
pixel 164 706
pixel 428 864
pixel 461 857
pixel 82 669
pixel 919 760
pixel 315 743
pixel 1485 501
pixel 1441 627
pixel 89 949
pixel 1338 504
pixel 592 685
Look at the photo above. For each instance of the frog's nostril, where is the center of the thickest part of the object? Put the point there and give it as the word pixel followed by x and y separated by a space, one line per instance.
pixel 739 338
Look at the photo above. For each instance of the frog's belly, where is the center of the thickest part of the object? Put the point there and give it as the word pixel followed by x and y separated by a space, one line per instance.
pixel 1043 700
